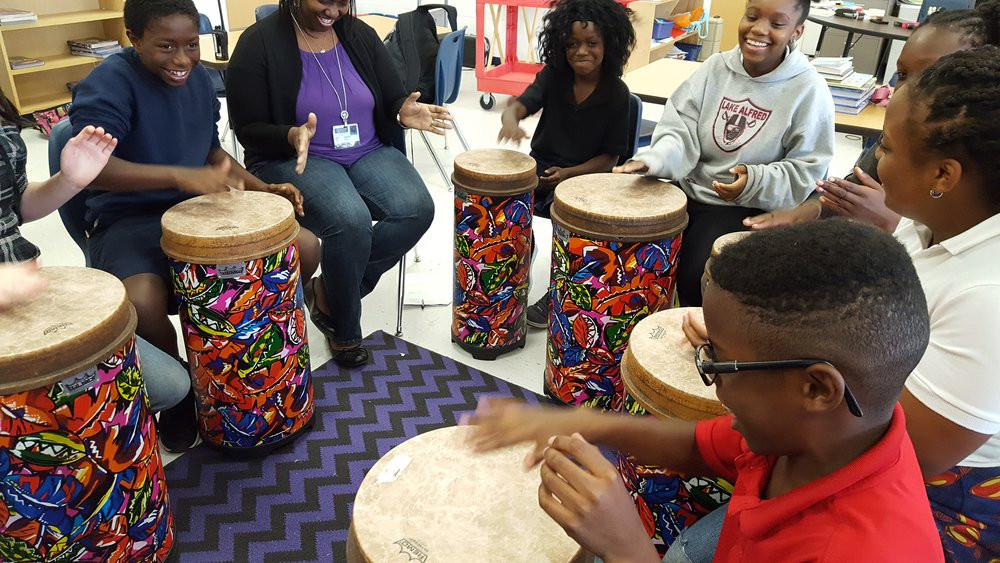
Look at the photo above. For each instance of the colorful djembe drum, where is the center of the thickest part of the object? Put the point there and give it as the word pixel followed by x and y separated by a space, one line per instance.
pixel 615 243
pixel 432 498
pixel 717 246
pixel 494 198
pixel 235 272
pixel 80 465
pixel 661 380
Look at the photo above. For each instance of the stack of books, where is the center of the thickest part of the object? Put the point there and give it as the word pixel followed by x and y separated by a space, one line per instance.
pixel 851 90
pixel 24 62
pixel 9 17
pixel 94 47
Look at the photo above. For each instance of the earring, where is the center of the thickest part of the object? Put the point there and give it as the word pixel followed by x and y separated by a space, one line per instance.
pixel 936 194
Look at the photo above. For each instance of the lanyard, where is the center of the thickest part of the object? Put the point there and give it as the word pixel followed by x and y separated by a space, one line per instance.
pixel 342 103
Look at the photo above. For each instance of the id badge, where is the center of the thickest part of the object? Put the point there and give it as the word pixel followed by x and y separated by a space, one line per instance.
pixel 346 136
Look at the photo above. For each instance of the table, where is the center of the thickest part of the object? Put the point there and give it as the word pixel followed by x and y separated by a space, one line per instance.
pixel 655 82
pixel 887 32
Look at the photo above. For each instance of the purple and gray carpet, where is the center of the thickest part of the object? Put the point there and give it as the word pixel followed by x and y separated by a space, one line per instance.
pixel 295 504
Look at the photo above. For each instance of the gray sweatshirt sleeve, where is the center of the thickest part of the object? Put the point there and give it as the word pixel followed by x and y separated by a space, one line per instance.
pixel 675 147
pixel 808 153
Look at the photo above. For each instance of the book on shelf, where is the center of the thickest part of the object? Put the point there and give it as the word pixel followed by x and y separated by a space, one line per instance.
pixel 834 66
pixel 852 110
pixel 98 55
pixel 92 43
pixel 24 62
pixel 856 81
pixel 8 16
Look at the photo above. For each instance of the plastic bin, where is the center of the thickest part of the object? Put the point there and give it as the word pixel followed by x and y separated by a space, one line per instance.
pixel 662 28
pixel 691 50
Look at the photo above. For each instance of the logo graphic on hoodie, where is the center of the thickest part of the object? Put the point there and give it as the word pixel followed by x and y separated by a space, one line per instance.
pixel 738 122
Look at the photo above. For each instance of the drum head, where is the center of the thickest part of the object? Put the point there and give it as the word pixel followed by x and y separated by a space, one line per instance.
pixel 727 239
pixel 74 324
pixel 659 373
pixel 621 207
pixel 228 227
pixel 494 172
pixel 435 499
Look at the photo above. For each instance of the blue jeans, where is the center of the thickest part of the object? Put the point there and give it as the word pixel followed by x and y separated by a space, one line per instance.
pixel 697 544
pixel 340 204
pixel 166 380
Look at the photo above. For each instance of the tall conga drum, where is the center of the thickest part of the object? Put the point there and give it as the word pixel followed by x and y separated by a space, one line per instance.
pixel 717 246
pixel 616 238
pixel 494 199
pixel 432 498
pixel 80 472
pixel 660 379
pixel 235 273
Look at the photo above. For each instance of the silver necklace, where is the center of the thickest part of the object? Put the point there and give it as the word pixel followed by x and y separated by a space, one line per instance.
pixel 342 103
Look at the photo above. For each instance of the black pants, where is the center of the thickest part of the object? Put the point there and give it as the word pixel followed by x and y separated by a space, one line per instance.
pixel 705 224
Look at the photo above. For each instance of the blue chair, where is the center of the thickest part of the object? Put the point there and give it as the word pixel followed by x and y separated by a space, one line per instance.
pixel 218 81
pixel 931 6
pixel 73 212
pixel 635 126
pixel 264 10
pixel 447 82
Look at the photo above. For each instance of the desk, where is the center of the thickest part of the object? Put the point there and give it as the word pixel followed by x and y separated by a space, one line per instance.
pixel 655 82
pixel 887 32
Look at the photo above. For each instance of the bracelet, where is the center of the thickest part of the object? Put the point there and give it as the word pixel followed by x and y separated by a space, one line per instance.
pixel 399 120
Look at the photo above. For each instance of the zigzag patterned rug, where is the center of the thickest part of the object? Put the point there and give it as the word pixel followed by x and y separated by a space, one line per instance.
pixel 295 504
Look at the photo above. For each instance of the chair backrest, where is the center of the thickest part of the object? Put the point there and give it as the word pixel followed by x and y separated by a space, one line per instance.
pixel 931 6
pixel 635 124
pixel 74 211
pixel 448 73
pixel 264 10
pixel 204 24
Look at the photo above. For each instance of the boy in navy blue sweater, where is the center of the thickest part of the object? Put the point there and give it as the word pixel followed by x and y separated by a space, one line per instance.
pixel 158 101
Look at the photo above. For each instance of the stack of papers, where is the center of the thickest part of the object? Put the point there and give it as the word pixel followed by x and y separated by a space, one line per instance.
pixel 94 47
pixel 8 16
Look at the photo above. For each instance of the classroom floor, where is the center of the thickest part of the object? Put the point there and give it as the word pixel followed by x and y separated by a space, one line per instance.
pixel 427 281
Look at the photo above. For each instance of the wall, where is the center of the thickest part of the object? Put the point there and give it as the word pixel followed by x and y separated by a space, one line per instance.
pixel 211 9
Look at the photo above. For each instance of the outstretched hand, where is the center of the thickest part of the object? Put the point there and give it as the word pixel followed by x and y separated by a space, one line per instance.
pixel 631 167
pixel 808 210
pixel 299 138
pixel 85 155
pixel 426 117
pixel 20 282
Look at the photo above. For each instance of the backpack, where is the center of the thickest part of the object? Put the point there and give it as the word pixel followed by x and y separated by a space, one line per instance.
pixel 413 47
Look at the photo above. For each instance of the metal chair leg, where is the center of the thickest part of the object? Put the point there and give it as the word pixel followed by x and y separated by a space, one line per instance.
pixel 437 161
pixel 400 291
pixel 461 137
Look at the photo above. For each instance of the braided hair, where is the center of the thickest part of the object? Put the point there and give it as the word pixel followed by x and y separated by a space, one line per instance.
pixel 612 21
pixel 961 92
pixel 977 27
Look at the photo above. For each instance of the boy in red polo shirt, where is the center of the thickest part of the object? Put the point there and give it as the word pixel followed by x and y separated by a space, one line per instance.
pixel 812 332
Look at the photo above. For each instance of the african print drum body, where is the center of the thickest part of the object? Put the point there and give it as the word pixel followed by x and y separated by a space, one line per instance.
pixel 235 273
pixel 80 472
pixel 615 243
pixel 494 198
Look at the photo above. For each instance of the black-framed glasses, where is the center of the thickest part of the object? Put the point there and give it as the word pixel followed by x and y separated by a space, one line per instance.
pixel 711 367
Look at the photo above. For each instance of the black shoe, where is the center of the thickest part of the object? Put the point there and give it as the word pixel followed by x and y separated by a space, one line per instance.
pixel 538 313
pixel 318 318
pixel 350 357
pixel 178 425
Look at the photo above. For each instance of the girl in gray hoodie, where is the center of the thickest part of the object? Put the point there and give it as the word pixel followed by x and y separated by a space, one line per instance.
pixel 750 131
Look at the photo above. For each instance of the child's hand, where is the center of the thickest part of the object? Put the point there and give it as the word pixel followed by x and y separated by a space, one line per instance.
pixel 505 422
pixel 694 329
pixel 631 167
pixel 19 283
pixel 289 192
pixel 511 132
pixel 585 495
pixel 426 117
pixel 552 177
pixel 208 179
pixel 864 202
pixel 85 155
pixel 299 138
pixel 809 210
pixel 729 192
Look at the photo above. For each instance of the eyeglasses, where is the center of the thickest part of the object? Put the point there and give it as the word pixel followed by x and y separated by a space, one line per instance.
pixel 711 367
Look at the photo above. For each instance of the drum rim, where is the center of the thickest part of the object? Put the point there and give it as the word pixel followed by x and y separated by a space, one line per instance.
pixel 609 227
pixel 504 184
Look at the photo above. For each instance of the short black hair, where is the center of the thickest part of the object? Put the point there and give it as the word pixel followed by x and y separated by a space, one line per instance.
pixel 139 14
pixel 613 21
pixel 803 7
pixel 287 6
pixel 977 27
pixel 961 92
pixel 835 290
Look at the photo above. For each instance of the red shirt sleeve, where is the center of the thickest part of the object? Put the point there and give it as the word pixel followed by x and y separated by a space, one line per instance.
pixel 719 445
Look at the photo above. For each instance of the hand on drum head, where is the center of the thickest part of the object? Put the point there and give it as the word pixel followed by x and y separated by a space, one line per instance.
pixel 695 330
pixel 864 202
pixel 209 179
pixel 505 422
pixel 585 495
pixel 729 192
pixel 299 138
pixel 85 155
pixel 19 283
pixel 631 167
pixel 289 192
pixel 553 176
pixel 809 210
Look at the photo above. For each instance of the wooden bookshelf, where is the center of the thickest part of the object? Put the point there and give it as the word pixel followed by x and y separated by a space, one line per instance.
pixel 42 87
pixel 644 12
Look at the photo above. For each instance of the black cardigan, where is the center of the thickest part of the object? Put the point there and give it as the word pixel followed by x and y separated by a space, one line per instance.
pixel 264 75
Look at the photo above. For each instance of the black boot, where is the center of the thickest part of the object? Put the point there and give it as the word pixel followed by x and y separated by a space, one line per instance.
pixel 178 425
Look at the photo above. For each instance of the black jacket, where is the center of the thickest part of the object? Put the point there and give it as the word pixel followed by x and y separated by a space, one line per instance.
pixel 264 75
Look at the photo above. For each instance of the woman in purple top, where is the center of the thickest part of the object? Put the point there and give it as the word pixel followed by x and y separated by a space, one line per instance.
pixel 316 101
